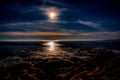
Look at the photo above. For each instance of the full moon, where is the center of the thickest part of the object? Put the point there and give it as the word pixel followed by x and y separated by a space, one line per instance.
pixel 52 15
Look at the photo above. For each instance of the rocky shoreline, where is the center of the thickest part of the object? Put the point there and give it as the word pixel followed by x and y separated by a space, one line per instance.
pixel 83 64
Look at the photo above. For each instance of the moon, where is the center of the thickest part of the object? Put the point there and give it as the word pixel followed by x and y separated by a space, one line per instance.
pixel 52 15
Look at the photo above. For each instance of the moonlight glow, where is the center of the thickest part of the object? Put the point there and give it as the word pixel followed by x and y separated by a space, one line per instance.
pixel 52 15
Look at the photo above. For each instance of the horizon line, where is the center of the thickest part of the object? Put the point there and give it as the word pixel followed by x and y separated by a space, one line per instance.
pixel 57 40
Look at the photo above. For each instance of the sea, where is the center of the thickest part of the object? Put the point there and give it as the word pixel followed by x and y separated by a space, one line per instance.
pixel 8 48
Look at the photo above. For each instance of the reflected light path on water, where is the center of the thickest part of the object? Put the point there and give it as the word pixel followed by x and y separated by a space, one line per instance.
pixel 51 45
pixel 51 49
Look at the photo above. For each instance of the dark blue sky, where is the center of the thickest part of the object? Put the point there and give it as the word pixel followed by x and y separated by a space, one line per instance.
pixel 75 20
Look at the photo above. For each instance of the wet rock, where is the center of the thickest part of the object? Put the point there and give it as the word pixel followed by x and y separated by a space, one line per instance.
pixel 56 64
pixel 87 64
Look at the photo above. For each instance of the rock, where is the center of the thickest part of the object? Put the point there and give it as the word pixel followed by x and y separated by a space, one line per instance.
pixel 55 64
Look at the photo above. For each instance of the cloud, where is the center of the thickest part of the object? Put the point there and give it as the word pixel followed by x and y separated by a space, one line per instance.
pixel 49 8
pixel 35 34
pixel 34 23
pixel 66 36
pixel 101 35
pixel 90 24
pixel 18 24
pixel 56 2
pixel 43 25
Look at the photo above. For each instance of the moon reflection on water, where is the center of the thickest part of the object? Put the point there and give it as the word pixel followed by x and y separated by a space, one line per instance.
pixel 51 49
pixel 51 45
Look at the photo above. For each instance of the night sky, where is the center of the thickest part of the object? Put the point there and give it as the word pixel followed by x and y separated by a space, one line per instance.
pixel 59 19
